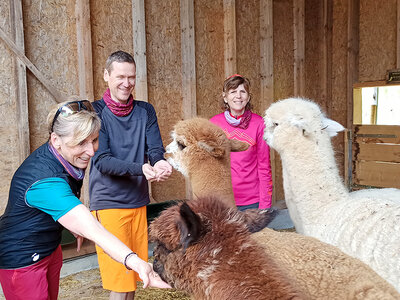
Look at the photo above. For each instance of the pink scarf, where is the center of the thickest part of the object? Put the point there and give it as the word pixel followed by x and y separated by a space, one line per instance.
pixel 242 122
pixel 117 108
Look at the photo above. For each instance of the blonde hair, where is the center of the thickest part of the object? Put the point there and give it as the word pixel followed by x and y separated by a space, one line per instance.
pixel 79 125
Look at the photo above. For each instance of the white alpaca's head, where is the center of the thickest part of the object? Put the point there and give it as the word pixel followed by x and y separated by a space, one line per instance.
pixel 295 120
pixel 197 143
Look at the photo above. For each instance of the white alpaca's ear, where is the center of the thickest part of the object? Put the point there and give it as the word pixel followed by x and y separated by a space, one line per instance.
pixel 332 127
pixel 214 150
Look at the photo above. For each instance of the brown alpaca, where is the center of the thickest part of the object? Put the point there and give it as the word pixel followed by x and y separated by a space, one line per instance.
pixel 204 248
pixel 201 151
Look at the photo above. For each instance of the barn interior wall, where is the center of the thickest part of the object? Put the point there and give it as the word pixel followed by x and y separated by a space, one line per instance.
pixel 377 39
pixel 51 45
pixel 8 92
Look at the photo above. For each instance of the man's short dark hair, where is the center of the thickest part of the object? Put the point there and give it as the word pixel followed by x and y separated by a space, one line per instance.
pixel 119 56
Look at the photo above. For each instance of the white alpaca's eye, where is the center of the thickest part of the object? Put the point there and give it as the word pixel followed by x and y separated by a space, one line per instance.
pixel 276 124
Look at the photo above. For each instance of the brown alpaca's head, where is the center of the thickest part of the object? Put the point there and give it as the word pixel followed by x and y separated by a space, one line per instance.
pixel 198 142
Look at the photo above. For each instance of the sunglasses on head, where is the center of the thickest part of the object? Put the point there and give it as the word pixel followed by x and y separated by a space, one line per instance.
pixel 71 108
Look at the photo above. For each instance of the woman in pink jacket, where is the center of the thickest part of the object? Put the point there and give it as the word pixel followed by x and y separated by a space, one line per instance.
pixel 251 169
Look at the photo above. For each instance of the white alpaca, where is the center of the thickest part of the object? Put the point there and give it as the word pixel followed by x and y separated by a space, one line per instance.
pixel 364 224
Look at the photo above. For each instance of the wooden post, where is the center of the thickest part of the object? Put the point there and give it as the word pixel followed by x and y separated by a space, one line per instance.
pixel 398 36
pixel 326 78
pixel 85 67
pixel 267 69
pixel 188 67
pixel 22 91
pixel 229 37
pixel 352 54
pixel 299 46
pixel 139 48
pixel 84 47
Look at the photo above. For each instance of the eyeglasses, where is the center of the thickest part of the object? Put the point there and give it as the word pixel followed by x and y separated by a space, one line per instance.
pixel 71 108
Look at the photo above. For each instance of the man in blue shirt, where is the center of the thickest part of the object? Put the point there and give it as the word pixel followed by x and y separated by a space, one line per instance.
pixel 130 154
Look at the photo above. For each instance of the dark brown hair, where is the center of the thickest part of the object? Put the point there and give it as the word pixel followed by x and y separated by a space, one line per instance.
pixel 232 83
pixel 119 56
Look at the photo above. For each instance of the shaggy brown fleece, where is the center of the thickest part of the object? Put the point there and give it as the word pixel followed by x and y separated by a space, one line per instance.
pixel 204 248
pixel 201 151
pixel 322 270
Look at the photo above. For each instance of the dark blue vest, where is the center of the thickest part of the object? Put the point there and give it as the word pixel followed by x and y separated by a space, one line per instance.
pixel 27 234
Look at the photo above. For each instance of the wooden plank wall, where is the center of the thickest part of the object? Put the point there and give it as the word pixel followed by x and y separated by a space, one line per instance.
pixel 376 156
pixel 184 51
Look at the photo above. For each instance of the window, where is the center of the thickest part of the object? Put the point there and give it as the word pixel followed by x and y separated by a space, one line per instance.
pixel 377 105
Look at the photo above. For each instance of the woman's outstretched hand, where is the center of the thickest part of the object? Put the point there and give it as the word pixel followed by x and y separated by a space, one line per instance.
pixel 146 273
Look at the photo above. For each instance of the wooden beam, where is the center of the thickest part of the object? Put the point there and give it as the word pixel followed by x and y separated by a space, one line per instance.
pixel 357 106
pixel 326 78
pixel 84 47
pixel 373 84
pixel 299 46
pixel 348 161
pixel 188 58
pixel 188 67
pixel 398 36
pixel 22 91
pixel 267 69
pixel 266 53
pixel 139 48
pixel 352 54
pixel 85 67
pixel 58 96
pixel 229 38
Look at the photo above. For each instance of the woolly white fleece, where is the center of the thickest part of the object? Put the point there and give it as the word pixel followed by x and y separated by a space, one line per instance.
pixel 364 224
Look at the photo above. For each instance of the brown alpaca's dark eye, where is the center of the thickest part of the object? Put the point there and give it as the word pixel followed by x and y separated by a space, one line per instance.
pixel 181 146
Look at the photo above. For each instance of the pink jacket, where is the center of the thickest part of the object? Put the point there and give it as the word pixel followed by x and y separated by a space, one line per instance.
pixel 251 169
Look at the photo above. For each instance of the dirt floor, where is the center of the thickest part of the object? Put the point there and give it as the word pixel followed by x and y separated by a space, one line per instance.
pixel 87 285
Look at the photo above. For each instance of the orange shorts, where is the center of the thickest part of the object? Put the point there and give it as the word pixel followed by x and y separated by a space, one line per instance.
pixel 130 227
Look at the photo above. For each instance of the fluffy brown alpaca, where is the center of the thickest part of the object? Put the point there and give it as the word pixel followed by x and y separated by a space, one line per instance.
pixel 201 151
pixel 322 270
pixel 204 248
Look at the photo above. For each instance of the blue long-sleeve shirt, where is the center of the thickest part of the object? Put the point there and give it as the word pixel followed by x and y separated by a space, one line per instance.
pixel 125 144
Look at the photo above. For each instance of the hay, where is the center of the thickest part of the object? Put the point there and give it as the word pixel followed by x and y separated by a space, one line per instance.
pixel 87 285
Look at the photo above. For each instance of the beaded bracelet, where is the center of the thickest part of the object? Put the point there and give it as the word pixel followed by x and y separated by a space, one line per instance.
pixel 126 258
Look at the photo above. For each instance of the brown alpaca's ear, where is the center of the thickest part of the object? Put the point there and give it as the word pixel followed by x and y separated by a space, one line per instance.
pixel 212 149
pixel 238 146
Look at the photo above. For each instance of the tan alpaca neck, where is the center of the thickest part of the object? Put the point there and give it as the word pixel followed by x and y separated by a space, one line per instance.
pixel 213 180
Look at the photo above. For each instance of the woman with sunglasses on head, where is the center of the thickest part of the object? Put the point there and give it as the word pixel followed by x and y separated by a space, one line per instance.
pixel 251 169
pixel 44 198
